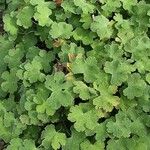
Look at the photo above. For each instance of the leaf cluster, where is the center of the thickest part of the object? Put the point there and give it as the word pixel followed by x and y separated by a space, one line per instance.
pixel 75 75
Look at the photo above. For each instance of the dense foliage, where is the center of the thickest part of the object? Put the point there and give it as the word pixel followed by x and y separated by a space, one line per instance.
pixel 75 75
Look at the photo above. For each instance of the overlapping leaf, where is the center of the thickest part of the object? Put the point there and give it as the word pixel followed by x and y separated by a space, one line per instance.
pixel 61 30
pixel 84 117
pixel 61 94
pixel 52 138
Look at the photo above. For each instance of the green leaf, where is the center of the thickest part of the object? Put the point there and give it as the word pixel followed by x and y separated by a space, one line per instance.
pixel 75 140
pixel 86 19
pixel 126 124
pixel 35 2
pixel 58 99
pixel 24 17
pixel 106 101
pixel 40 98
pixel 32 52
pixel 43 32
pixel 139 47
pixel 132 143
pixel 141 16
pixel 101 132
pixel 68 6
pixel 136 86
pixel 45 58
pixel 120 70
pixel 86 145
pixel 14 57
pixel 85 36
pixel 102 26
pixel 5 47
pixel 114 50
pixel 125 30
pixel 117 144
pixel 127 5
pixel 10 81
pixel 42 14
pixel 121 127
pixel 10 126
pixel 83 117
pixel 33 71
pixel 75 75
pixel 61 30
pixel 148 78
pixel 85 92
pixel 89 68
pixel 10 24
pixel 61 94
pixel 18 143
pixel 52 138
pixel 110 6
pixel 85 6
pixel 70 51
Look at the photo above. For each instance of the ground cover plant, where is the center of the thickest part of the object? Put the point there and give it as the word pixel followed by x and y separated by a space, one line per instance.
pixel 75 75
